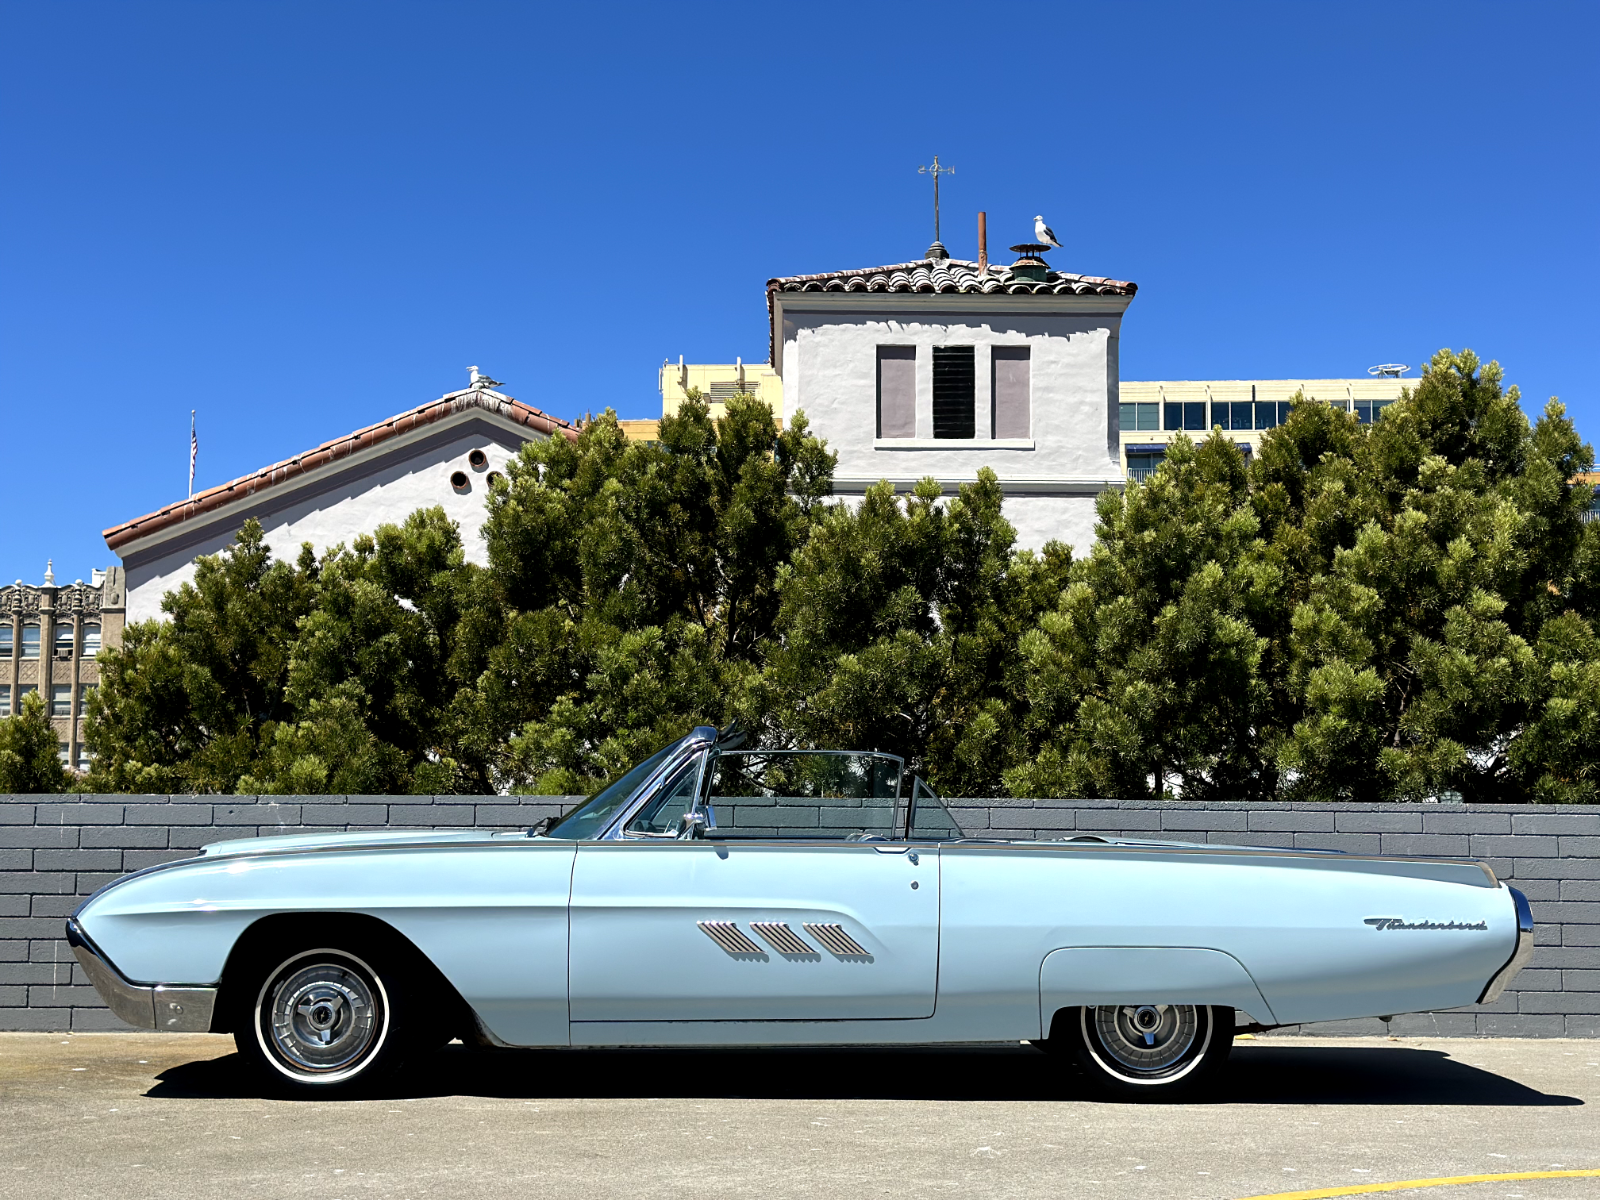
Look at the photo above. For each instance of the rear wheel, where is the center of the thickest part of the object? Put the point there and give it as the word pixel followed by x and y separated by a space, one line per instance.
pixel 1147 1051
pixel 323 1021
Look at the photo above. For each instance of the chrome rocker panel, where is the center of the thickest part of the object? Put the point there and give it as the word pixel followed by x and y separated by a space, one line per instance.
pixel 173 1009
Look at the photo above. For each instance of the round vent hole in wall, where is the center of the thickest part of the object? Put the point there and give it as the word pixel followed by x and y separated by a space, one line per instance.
pixel 460 482
pixel 478 459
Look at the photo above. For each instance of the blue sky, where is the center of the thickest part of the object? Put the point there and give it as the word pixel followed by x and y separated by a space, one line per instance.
pixel 299 218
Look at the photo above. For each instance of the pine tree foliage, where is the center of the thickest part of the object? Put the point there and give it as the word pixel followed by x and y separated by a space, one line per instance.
pixel 632 586
pixel 1395 611
pixel 1151 676
pixel 1445 637
pixel 29 759
pixel 897 631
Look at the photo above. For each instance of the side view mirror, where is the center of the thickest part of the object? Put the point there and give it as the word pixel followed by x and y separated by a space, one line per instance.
pixel 695 824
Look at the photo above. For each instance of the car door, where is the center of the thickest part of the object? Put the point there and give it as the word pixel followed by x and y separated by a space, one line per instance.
pixel 799 903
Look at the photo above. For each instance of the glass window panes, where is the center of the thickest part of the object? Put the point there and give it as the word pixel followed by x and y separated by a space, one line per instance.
pixel 22 693
pixel 5 699
pixel 929 817
pixel 30 641
pixel 1143 464
pixel 83 699
pixel 63 640
pixel 1367 410
pixel 83 757
pixel 596 814
pixel 61 700
pixel 1271 413
pixel 793 794
pixel 91 641
pixel 64 753
pixel 1190 414
pixel 1235 415
pixel 662 813
pixel 1139 417
pixel 8 646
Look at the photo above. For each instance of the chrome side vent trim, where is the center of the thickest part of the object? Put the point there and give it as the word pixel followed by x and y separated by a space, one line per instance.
pixel 781 938
pixel 730 937
pixel 837 941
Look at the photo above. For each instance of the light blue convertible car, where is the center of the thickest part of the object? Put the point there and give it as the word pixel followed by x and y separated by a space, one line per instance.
pixel 718 896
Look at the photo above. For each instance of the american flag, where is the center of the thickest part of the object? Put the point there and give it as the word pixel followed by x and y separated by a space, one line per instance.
pixel 194 449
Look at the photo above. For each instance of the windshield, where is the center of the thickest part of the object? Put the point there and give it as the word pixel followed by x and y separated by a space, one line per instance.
pixel 596 812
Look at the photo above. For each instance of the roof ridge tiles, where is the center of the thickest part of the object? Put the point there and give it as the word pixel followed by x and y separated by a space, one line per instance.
pixel 335 450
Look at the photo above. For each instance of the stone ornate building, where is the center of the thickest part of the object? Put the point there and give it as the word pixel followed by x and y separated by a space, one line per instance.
pixel 50 640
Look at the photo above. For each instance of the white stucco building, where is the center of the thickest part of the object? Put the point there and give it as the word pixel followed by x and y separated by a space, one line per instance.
pixel 940 367
pixel 442 453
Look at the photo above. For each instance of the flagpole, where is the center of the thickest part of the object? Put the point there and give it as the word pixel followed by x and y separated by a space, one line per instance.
pixel 193 446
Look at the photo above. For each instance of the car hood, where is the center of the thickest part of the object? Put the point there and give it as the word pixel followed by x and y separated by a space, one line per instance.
pixel 340 840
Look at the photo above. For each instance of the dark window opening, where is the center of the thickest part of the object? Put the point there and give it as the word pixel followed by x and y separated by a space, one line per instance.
pixel 1142 465
pixel 954 389
pixel 1191 414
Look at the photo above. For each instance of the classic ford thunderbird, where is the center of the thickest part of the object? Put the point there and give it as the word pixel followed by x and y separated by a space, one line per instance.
pixel 719 896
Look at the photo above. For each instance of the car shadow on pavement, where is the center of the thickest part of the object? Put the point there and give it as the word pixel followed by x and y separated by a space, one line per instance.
pixel 1259 1073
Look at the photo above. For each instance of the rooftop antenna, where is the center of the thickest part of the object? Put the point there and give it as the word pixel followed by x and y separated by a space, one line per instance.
pixel 1388 370
pixel 936 170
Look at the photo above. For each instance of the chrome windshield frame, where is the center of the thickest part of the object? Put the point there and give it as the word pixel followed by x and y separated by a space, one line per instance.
pixel 698 742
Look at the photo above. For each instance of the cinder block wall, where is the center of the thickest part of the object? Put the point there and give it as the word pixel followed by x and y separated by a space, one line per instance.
pixel 54 851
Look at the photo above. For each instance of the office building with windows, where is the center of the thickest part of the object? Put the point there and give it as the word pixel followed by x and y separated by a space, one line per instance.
pixel 50 641
pixel 1150 415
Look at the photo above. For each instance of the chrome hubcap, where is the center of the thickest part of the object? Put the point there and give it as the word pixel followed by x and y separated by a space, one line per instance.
pixel 1147 1038
pixel 323 1017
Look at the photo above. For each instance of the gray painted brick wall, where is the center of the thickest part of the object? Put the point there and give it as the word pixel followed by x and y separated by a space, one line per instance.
pixel 54 851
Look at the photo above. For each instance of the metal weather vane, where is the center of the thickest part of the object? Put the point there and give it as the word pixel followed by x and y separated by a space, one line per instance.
pixel 936 170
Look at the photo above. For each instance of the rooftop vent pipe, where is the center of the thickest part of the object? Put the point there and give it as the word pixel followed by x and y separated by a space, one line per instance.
pixel 1030 266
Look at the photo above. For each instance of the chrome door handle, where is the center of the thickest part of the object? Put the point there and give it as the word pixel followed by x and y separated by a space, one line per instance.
pixel 891 849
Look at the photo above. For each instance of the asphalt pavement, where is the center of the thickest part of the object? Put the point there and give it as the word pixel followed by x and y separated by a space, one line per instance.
pixel 172 1116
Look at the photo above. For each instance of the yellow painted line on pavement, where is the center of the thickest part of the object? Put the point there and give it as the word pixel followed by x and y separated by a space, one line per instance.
pixel 1362 1189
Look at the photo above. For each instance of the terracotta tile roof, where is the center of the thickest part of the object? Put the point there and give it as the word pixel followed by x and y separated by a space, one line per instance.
pixel 208 501
pixel 951 275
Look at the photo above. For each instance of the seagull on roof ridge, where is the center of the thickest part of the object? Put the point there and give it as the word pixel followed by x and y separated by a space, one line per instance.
pixel 481 381
pixel 1045 234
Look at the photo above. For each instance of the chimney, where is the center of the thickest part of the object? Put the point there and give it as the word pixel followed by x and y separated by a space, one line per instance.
pixel 983 243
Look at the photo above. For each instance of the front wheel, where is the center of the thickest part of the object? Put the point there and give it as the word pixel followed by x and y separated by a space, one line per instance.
pixel 323 1021
pixel 1147 1051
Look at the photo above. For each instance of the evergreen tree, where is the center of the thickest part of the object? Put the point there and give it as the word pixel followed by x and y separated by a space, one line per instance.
pixel 1152 676
pixel 631 590
pixel 1445 640
pixel 185 704
pixel 897 632
pixel 370 682
pixel 29 760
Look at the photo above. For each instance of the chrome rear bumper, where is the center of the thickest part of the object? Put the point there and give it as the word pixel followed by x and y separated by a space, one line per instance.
pixel 176 1009
pixel 1519 957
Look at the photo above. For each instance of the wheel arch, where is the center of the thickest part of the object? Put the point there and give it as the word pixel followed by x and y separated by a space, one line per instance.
pixel 373 939
pixel 1090 976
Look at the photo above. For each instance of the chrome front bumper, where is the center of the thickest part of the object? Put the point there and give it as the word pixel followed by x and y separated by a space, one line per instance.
pixel 176 1009
pixel 1519 957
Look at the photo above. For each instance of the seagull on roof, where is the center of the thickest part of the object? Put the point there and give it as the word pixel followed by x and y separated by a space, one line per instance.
pixel 1045 234
pixel 482 381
